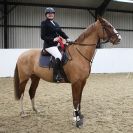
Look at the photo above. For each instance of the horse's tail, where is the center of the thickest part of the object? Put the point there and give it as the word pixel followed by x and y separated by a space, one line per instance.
pixel 16 83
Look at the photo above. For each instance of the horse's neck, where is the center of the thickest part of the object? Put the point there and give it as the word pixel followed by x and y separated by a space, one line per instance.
pixel 88 51
pixel 91 39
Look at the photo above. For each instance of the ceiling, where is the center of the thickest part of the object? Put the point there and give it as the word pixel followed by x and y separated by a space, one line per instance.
pixel 81 3
pixel 121 6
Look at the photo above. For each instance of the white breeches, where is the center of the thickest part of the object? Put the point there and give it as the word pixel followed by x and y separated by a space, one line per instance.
pixel 54 51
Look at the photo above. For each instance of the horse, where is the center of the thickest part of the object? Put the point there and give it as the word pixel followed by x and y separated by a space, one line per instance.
pixel 77 68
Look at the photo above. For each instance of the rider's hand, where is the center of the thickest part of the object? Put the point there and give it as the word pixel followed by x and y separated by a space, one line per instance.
pixel 56 39
pixel 68 40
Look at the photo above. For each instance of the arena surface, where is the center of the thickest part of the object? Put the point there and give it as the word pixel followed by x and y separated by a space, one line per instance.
pixel 107 105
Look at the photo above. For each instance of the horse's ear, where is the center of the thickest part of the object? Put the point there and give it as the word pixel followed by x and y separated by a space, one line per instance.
pixel 99 18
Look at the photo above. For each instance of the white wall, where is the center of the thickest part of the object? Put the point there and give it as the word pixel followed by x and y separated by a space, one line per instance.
pixel 113 60
pixel 106 61
pixel 8 58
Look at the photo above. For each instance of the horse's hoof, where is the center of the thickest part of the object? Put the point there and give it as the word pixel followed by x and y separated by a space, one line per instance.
pixel 22 114
pixel 36 110
pixel 79 124
pixel 81 116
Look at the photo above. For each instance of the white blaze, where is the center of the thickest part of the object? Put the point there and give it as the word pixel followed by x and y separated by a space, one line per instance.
pixel 119 36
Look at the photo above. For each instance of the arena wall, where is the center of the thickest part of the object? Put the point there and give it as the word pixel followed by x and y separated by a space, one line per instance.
pixel 109 60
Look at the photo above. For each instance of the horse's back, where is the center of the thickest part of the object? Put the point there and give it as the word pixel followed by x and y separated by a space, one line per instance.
pixel 29 55
pixel 31 52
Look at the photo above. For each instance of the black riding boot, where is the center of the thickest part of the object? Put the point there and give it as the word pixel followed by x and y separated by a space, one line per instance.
pixel 57 76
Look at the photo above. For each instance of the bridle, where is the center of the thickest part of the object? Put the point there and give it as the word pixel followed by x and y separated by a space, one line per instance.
pixel 105 28
pixel 109 34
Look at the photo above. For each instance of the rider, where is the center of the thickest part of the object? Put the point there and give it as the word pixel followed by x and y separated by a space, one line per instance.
pixel 50 32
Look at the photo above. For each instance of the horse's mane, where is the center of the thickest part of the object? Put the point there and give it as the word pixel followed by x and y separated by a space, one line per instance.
pixel 86 32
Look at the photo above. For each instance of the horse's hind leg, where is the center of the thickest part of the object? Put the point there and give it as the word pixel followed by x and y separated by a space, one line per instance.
pixel 20 81
pixel 21 91
pixel 34 84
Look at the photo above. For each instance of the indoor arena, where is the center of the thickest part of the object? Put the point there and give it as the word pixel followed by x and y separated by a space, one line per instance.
pixel 95 91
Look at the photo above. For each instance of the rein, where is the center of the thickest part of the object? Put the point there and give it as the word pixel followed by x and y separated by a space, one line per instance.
pixel 81 44
pixel 83 55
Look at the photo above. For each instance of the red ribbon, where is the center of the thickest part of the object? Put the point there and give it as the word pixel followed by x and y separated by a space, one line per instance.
pixel 60 41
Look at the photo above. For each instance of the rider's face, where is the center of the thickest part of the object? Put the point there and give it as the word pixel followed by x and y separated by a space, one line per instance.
pixel 50 15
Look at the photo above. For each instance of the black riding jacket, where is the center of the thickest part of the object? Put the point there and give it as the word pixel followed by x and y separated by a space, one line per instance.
pixel 49 31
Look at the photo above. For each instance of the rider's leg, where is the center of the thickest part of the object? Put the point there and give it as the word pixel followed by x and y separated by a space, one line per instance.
pixel 56 53
pixel 57 75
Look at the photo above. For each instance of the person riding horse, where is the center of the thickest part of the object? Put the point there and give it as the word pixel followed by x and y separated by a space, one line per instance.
pixel 81 53
pixel 50 32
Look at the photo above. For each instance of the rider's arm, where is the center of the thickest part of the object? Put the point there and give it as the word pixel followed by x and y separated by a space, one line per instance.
pixel 60 32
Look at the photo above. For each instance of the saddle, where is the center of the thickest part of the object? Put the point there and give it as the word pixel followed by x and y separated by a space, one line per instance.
pixel 46 60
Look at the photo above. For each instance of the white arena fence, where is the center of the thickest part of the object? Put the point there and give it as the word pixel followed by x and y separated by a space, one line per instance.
pixel 111 60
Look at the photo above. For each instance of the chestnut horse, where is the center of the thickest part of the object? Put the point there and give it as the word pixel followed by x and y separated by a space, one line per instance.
pixel 77 69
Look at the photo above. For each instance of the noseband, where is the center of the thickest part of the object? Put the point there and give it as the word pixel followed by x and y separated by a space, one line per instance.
pixel 109 34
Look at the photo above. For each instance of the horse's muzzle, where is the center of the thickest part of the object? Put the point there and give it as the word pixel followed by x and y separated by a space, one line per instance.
pixel 117 41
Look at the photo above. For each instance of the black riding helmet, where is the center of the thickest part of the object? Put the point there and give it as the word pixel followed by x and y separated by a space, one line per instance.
pixel 49 10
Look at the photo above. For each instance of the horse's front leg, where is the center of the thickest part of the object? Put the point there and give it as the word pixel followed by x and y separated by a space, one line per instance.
pixel 77 93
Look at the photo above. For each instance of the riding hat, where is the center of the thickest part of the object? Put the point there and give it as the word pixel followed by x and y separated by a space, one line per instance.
pixel 49 10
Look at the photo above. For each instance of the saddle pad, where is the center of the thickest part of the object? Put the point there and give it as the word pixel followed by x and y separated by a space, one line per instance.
pixel 44 61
